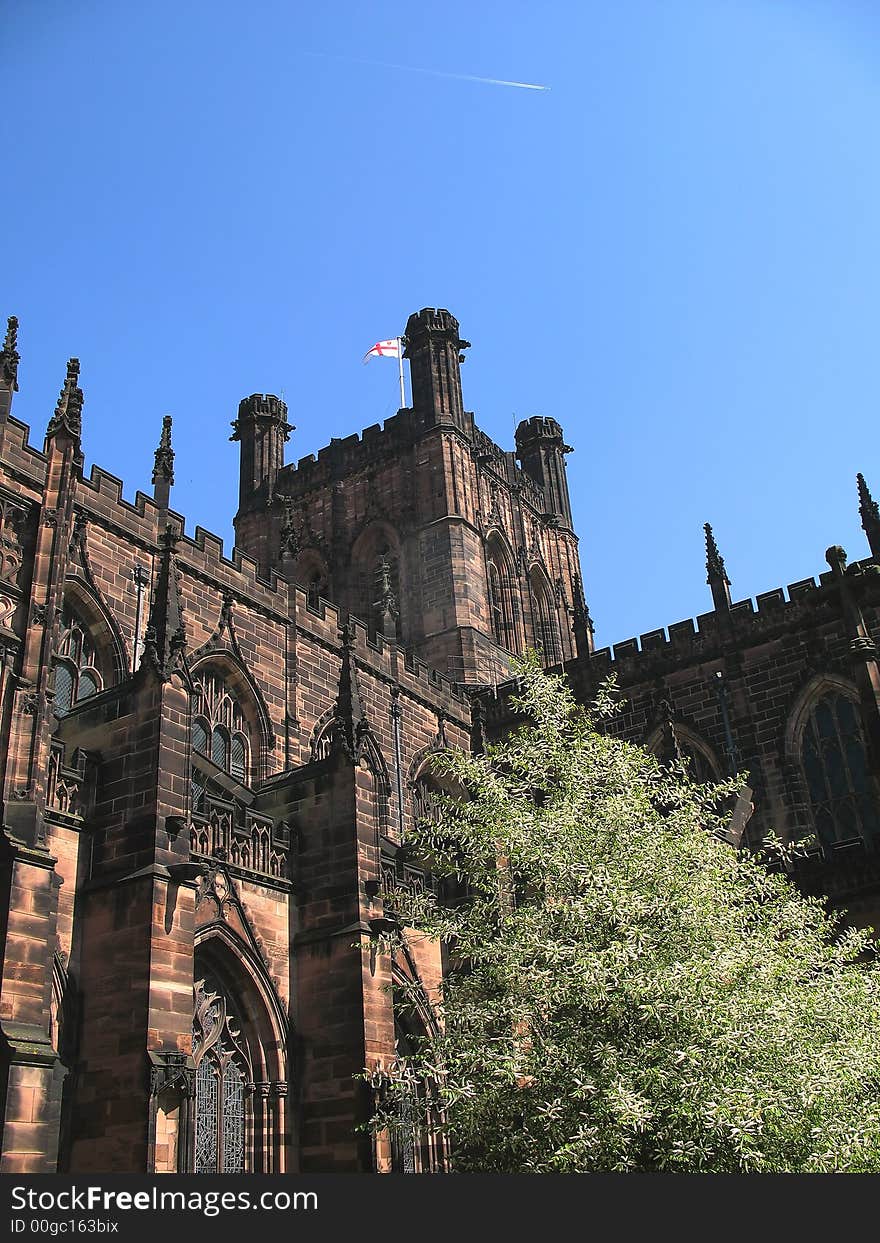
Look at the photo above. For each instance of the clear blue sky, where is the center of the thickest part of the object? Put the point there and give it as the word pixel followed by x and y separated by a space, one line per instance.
pixel 674 251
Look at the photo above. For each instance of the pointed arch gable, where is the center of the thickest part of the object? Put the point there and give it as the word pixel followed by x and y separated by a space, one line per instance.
pixel 320 731
pixel 104 629
pixel 242 969
pixel 372 753
pixel 419 765
pixel 496 537
pixel 373 533
pixel 313 574
pixel 232 669
pixel 545 614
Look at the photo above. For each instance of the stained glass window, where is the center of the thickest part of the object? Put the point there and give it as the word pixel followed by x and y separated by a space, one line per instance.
pixel 219 729
pixel 76 673
pixel 833 759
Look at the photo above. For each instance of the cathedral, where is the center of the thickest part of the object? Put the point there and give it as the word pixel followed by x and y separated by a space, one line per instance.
pixel 209 764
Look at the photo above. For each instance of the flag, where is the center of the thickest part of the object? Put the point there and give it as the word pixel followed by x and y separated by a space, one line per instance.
pixel 384 349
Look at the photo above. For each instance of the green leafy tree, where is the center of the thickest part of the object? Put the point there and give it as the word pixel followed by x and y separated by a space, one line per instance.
pixel 628 992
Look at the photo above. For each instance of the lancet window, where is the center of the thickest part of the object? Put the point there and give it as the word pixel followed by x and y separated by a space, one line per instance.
pixel 500 581
pixel 546 621
pixel 836 772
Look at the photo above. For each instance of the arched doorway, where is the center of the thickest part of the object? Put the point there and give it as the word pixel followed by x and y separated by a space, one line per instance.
pixel 240 1052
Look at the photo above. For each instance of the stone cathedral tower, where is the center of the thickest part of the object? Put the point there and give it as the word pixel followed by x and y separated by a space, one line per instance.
pixel 209 764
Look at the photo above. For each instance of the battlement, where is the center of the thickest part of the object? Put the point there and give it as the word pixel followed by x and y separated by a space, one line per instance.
pixel 538 427
pixel 262 405
pixel 707 637
pixel 747 622
pixel 325 620
pixel 380 442
pixel 430 320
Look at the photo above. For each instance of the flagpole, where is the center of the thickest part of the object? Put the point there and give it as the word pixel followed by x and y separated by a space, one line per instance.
pixel 400 369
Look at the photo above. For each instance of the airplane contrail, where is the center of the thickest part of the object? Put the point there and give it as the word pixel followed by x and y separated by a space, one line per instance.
pixel 434 73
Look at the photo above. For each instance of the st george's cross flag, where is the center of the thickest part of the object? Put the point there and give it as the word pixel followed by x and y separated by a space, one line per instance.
pixel 384 349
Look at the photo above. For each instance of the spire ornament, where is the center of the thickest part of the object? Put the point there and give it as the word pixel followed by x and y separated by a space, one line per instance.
pixel 582 623
pixel 385 609
pixel 350 721
pixel 68 412
pixel 165 638
pixel 163 466
pixel 870 514
pixel 716 574
pixel 9 356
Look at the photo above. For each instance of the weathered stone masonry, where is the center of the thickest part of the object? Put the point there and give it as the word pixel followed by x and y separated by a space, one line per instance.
pixel 207 768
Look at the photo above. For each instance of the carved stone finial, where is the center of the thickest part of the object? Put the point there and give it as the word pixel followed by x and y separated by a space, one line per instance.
pixel 9 355
pixel 582 624
pixel 350 722
pixel 68 412
pixel 165 638
pixel 716 574
pixel 290 537
pixel 163 467
pixel 870 513
pixel 714 559
pixel 385 610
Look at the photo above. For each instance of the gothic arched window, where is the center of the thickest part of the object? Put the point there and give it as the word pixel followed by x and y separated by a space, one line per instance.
pixel 222 1079
pixel 836 772
pixel 546 620
pixel 672 742
pixel 699 768
pixel 500 581
pixel 376 583
pixel 219 733
pixel 76 663
pixel 424 799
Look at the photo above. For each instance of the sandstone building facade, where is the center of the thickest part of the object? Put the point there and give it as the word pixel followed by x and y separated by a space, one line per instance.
pixel 209 764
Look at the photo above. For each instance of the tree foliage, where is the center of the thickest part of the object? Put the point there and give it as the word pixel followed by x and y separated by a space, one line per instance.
pixel 628 992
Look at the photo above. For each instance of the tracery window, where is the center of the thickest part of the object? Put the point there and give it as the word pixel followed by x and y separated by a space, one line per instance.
pixel 417 1145
pixel 500 597
pixel 546 621
pixel 222 1082
pixel 836 772
pixel 76 663
pixel 219 732
pixel 424 799
pixel 698 767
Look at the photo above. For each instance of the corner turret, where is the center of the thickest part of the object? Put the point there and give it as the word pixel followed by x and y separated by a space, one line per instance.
pixel 541 450
pixel 262 430
pixel 435 352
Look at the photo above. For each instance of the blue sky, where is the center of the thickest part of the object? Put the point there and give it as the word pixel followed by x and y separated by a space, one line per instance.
pixel 673 251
